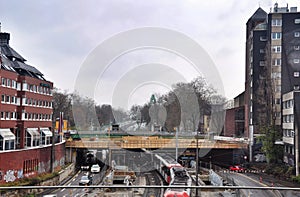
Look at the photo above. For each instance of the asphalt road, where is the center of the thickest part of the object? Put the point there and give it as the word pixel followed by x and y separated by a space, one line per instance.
pixel 76 192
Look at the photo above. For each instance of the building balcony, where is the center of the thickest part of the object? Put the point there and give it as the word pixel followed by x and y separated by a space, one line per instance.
pixel 288 140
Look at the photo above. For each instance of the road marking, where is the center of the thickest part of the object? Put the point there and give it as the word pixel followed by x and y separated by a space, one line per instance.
pixel 253 180
pixel 276 192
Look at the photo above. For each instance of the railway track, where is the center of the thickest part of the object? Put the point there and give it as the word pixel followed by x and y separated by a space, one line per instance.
pixel 153 178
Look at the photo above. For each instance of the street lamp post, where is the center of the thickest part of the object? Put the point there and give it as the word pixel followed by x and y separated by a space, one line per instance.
pixel 176 155
pixel 197 162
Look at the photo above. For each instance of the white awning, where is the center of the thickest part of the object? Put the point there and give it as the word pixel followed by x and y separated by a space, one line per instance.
pixel 7 134
pixel 46 131
pixel 34 132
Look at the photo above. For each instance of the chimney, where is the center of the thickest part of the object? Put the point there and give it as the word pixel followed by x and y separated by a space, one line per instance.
pixel 4 38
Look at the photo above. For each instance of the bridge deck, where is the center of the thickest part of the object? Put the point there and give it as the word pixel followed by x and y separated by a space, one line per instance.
pixel 154 142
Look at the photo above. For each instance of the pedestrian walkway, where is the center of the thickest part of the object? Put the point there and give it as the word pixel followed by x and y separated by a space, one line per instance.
pixel 272 181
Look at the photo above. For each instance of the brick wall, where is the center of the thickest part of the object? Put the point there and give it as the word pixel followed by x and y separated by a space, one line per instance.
pixel 17 164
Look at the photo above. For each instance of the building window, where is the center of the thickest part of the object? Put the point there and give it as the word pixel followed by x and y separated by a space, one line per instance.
pixel 8 82
pixel 296 74
pixel 278 114
pixel 278 88
pixel 25 87
pixel 296 61
pixel 276 22
pixel 276 62
pixel 13 84
pixel 3 81
pixel 276 35
pixel 2 98
pixel 297 20
pixel 276 49
pixel 296 87
pixel 278 101
pixel 291 103
pixel 297 34
pixel 7 115
pixel 34 88
pixel 7 98
pixel 296 47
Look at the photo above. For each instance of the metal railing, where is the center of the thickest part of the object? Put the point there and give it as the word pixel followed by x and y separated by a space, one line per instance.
pixel 148 186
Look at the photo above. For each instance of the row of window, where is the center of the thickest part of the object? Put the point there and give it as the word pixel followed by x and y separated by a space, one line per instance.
pixel 289 149
pixel 25 101
pixel 277 62
pixel 32 140
pixel 278 35
pixel 277 49
pixel 288 133
pixel 37 89
pixel 278 21
pixel 288 104
pixel 6 115
pixel 10 83
pixel 7 144
pixel 278 115
pixel 9 99
pixel 35 116
pixel 288 118
pixel 37 103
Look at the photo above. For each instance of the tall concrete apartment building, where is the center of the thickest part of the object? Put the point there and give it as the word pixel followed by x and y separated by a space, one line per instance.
pixel 25 118
pixel 272 71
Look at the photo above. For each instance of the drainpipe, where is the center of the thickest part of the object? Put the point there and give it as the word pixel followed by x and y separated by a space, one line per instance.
pixel 296 142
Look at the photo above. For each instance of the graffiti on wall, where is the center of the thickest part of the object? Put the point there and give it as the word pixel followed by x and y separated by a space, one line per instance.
pixel 10 176
pixel 20 174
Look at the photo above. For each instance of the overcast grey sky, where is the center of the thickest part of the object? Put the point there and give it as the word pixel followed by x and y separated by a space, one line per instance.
pixel 56 36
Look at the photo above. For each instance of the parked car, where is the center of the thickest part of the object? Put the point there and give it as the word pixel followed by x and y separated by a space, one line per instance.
pixel 237 168
pixel 95 168
pixel 86 180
